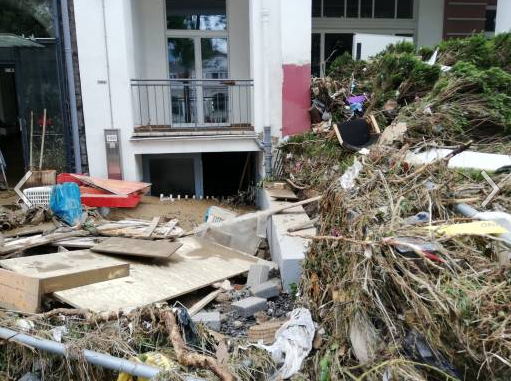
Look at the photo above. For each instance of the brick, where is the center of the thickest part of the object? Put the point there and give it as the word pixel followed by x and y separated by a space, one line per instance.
pixel 257 274
pixel 264 331
pixel 266 290
pixel 209 319
pixel 249 306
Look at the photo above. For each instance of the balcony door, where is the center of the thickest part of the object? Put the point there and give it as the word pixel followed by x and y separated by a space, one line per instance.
pixel 197 49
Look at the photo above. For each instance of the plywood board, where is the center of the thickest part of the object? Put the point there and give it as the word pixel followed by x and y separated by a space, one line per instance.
pixel 282 194
pixel 64 270
pixel 19 292
pixel 118 187
pixel 137 247
pixel 199 263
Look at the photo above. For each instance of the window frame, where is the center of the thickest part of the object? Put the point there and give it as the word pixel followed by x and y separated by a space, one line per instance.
pixel 359 16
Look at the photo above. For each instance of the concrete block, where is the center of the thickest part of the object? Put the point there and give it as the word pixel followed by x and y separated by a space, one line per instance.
pixel 249 306
pixel 286 250
pixel 257 274
pixel 209 319
pixel 265 290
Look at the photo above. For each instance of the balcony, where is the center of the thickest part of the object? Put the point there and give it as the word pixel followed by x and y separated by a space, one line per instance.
pixel 168 107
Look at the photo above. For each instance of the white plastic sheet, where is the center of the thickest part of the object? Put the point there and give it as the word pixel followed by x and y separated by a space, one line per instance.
pixel 293 342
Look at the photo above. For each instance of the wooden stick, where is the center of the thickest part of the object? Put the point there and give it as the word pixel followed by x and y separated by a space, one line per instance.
pixel 187 358
pixel 31 157
pixel 148 232
pixel 193 310
pixel 42 141
pixel 244 171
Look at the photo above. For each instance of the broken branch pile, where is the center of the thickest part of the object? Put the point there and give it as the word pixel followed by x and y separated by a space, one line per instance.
pixel 407 287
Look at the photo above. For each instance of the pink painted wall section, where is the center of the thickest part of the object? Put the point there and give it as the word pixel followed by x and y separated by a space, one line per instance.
pixel 296 99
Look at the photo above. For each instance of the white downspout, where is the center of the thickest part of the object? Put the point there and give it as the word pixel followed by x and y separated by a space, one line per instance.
pixel 265 17
pixel 107 65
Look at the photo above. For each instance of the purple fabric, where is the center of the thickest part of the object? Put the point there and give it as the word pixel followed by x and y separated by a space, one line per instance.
pixel 357 99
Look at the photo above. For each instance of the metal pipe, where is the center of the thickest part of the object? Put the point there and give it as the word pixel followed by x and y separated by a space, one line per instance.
pixel 265 15
pixel 68 54
pixel 95 358
pixel 107 61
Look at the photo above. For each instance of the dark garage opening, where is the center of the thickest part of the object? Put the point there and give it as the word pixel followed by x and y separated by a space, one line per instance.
pixel 172 176
pixel 222 172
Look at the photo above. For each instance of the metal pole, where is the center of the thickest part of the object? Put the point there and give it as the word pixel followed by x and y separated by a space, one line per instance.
pixel 95 358
pixel 267 93
pixel 68 54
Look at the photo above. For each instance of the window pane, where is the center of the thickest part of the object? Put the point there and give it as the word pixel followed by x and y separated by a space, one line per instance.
pixel 196 14
pixel 181 53
pixel 336 45
pixel 28 17
pixel 366 8
pixel 316 54
pixel 316 8
pixel 405 9
pixel 215 66
pixel 352 8
pixel 333 8
pixel 384 9
pixel 491 16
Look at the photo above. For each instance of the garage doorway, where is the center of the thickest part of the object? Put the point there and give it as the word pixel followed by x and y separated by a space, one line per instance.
pixel 11 143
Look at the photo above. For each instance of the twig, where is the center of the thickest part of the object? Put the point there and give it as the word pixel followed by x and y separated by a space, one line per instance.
pixel 186 358
pixel 333 238
pixel 296 186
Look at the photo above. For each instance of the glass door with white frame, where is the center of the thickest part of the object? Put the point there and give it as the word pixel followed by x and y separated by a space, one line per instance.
pixel 198 61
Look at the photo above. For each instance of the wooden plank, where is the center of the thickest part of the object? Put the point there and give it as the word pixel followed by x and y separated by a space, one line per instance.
pixel 137 247
pixel 34 241
pixel 150 229
pixel 375 124
pixel 338 134
pixel 30 230
pixel 198 264
pixel 19 292
pixel 64 270
pixel 193 310
pixel 282 194
pixel 118 187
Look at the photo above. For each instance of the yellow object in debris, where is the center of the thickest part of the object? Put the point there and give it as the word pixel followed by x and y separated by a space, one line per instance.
pixel 151 358
pixel 471 228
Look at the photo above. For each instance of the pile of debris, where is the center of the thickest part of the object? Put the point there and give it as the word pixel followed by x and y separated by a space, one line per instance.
pixel 409 275
pixel 141 298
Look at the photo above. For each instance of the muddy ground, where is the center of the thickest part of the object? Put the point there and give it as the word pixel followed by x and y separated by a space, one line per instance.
pixel 190 213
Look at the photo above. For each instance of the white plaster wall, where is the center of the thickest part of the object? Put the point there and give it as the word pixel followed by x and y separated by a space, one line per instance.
pixel 151 27
pixel 296 29
pixel 93 72
pixel 430 22
pixel 373 44
pixel 503 16
pixel 194 145
pixel 273 57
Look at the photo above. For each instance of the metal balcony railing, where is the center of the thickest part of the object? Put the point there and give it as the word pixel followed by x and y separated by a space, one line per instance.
pixel 192 103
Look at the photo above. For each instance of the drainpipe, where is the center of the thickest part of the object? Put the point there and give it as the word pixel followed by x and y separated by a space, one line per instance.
pixel 68 54
pixel 267 94
pixel 95 358
pixel 107 58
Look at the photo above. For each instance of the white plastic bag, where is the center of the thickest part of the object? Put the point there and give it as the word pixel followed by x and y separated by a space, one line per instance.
pixel 293 342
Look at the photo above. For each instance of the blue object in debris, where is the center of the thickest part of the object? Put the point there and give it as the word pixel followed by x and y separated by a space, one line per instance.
pixel 66 204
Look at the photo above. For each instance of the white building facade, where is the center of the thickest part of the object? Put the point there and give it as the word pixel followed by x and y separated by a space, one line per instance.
pixel 179 92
